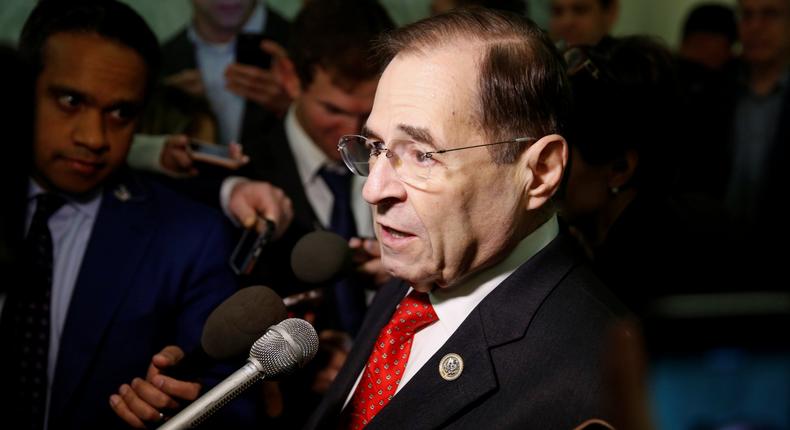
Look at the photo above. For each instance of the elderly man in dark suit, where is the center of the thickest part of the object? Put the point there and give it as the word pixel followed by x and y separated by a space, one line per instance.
pixel 497 322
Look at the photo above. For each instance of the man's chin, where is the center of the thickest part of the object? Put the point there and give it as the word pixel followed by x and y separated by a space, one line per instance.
pixel 409 271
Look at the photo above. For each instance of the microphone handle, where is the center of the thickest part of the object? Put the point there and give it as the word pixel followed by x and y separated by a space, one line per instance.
pixel 214 399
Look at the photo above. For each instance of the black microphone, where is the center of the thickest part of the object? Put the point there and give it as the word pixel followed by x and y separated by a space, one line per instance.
pixel 321 256
pixel 284 347
pixel 230 329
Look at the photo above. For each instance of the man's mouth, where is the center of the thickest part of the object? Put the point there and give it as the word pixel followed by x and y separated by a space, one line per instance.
pixel 392 237
pixel 83 166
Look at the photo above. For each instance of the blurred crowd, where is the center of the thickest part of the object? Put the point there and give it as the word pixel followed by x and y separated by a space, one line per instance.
pixel 160 158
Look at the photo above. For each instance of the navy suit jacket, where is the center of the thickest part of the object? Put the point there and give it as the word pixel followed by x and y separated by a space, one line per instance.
pixel 154 268
pixel 531 353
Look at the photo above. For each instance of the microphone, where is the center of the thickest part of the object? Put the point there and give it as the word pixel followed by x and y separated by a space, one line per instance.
pixel 321 256
pixel 230 329
pixel 285 346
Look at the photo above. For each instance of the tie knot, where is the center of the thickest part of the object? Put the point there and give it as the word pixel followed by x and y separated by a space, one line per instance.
pixel 413 313
pixel 47 204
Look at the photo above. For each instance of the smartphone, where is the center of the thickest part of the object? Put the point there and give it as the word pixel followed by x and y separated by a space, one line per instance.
pixel 212 153
pixel 248 50
pixel 249 248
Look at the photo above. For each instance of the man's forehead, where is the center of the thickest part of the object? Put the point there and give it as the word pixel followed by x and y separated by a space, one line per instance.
pixel 333 87
pixel 90 63
pixel 423 92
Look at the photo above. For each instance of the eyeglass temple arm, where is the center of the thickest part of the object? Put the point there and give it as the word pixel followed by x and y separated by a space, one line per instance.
pixel 516 140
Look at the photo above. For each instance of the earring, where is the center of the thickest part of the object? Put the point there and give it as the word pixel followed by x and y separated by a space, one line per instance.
pixel 614 190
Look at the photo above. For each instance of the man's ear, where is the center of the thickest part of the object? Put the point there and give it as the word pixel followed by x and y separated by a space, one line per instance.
pixel 622 170
pixel 285 72
pixel 545 161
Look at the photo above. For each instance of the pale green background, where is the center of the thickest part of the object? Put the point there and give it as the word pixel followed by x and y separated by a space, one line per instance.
pixel 662 18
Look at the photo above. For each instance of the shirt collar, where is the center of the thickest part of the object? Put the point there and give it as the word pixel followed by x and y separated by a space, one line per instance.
pixel 256 23
pixel 453 305
pixel 309 158
pixel 88 207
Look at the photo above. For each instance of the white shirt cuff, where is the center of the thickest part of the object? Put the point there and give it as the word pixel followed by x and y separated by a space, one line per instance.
pixel 146 152
pixel 225 193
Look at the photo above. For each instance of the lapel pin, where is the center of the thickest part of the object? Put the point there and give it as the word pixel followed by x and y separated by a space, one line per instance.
pixel 122 193
pixel 451 366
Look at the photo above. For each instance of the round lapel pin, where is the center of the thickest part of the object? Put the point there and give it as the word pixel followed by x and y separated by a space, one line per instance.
pixel 451 366
pixel 122 193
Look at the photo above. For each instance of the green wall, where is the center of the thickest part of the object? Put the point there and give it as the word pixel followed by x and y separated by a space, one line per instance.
pixel 657 17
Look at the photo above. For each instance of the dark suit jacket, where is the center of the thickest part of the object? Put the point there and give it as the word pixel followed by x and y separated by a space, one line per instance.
pixel 179 54
pixel 154 267
pixel 531 352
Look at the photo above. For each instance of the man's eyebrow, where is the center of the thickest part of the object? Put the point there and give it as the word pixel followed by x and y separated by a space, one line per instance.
pixel 60 90
pixel 419 134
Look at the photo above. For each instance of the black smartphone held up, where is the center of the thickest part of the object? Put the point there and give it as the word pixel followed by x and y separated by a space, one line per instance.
pixel 249 248
pixel 248 50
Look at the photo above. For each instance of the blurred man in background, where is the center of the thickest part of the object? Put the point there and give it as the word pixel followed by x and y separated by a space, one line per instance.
pixel 582 22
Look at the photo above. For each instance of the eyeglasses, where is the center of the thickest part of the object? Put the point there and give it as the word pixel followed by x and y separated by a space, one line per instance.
pixel 412 161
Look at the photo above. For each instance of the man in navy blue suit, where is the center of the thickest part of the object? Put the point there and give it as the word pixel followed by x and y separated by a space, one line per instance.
pixel 120 266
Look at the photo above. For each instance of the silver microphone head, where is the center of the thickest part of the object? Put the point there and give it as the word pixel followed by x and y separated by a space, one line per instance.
pixel 290 344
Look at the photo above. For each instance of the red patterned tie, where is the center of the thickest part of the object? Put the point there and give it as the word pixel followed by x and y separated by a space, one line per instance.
pixel 387 361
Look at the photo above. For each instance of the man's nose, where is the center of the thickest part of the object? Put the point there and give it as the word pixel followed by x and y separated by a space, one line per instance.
pixel 383 183
pixel 90 131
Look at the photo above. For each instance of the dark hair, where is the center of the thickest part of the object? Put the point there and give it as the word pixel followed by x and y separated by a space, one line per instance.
pixel 712 18
pixel 522 86
pixel 107 18
pixel 628 106
pixel 336 35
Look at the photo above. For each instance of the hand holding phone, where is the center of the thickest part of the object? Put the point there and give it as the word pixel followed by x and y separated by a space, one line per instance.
pixel 219 155
pixel 249 248
pixel 248 50
pixel 252 76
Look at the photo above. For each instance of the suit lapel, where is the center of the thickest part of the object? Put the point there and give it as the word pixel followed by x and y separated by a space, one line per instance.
pixel 118 242
pixel 502 317
pixel 379 313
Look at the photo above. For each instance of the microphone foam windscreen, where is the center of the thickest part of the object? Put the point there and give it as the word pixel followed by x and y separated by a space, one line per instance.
pixel 320 256
pixel 240 320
